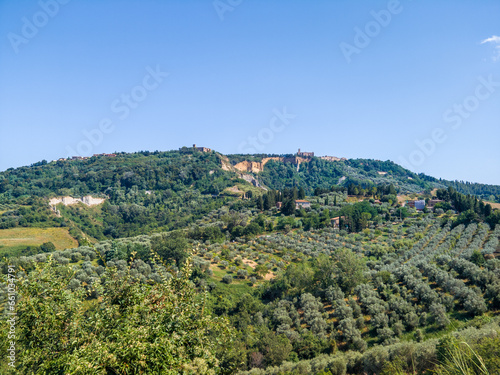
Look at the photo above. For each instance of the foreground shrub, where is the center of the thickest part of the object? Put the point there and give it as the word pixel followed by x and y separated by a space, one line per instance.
pixel 131 328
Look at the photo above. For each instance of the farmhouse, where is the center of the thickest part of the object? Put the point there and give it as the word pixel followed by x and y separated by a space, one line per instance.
pixel 336 221
pixel 300 203
pixel 419 205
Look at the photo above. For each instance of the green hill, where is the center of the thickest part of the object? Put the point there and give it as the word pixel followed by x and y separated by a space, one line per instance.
pixel 149 192
pixel 197 262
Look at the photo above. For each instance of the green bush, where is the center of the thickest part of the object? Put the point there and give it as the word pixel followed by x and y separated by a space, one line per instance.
pixel 228 279
pixel 132 328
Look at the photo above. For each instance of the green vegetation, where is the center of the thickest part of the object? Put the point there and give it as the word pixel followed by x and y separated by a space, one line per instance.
pixel 171 276
pixel 130 328
pixel 145 192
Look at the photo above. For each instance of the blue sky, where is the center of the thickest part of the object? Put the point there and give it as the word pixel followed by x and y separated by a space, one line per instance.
pixel 416 82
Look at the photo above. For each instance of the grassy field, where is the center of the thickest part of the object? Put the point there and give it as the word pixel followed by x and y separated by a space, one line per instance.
pixel 494 205
pixel 14 239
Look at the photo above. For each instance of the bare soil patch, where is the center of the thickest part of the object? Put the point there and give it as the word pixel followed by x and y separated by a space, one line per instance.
pixel 269 276
pixel 250 263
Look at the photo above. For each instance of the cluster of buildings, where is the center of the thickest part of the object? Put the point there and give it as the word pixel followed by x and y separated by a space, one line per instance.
pixel 86 157
pixel 95 155
pixel 332 158
pixel 72 158
pixel 202 149
pixel 108 155
pixel 419 205
pixel 305 154
pixel 311 154
pixel 299 203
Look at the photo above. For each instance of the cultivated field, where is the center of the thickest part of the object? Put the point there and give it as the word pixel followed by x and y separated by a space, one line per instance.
pixel 17 238
pixel 494 205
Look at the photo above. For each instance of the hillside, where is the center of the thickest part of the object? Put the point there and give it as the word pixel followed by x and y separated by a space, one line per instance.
pixel 142 192
pixel 318 298
pixel 148 192
pixel 264 264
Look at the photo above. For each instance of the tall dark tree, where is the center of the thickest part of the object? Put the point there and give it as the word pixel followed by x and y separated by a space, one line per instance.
pixel 260 203
pixel 302 193
pixel 269 201
pixel 288 207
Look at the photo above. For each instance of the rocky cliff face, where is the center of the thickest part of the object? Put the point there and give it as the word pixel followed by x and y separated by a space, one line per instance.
pixel 256 167
pixel 253 166
pixel 252 180
pixel 87 200
pixel 244 168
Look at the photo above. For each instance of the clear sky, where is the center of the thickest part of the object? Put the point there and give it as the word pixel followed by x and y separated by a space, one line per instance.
pixel 415 82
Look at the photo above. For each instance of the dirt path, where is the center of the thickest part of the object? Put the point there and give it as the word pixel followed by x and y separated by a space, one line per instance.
pixel 270 275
